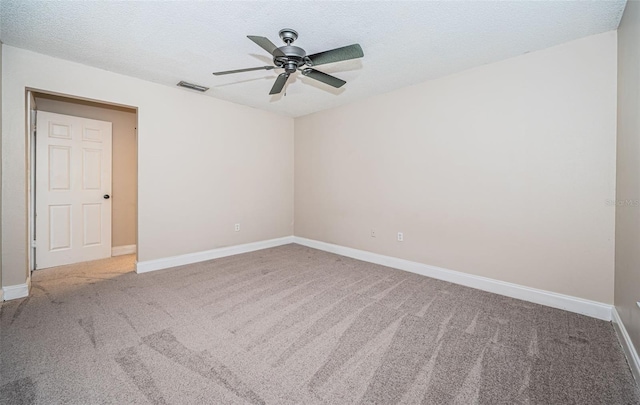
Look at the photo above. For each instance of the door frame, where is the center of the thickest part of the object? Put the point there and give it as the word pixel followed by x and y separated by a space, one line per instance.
pixel 31 179
pixel 31 166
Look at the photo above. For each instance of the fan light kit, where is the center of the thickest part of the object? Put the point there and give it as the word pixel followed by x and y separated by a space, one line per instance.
pixel 292 58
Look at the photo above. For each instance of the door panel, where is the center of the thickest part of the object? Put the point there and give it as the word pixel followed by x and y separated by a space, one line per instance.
pixel 92 134
pixel 91 169
pixel 92 221
pixel 59 227
pixel 73 173
pixel 59 168
pixel 58 130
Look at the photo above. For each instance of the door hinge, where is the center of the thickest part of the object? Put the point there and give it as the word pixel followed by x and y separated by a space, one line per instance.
pixel 33 244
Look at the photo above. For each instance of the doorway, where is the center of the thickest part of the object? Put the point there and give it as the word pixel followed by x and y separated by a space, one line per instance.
pixel 84 180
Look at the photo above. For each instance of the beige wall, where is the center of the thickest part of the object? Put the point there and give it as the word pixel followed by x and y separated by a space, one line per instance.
pixel 502 171
pixel 123 180
pixel 203 164
pixel 627 259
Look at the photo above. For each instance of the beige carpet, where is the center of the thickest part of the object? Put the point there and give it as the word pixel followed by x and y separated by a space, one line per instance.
pixel 293 325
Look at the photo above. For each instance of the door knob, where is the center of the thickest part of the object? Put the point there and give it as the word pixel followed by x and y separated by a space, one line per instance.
pixel 106 196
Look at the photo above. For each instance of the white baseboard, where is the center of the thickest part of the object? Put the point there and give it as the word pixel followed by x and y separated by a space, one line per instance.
pixel 566 302
pixel 123 250
pixel 573 304
pixel 13 292
pixel 627 344
pixel 1 295
pixel 173 261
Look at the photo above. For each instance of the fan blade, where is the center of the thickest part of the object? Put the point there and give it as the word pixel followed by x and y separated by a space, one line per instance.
pixel 267 45
pixel 336 55
pixel 279 84
pixel 228 72
pixel 324 78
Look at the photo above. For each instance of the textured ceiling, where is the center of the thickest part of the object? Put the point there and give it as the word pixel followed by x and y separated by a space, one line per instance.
pixel 403 42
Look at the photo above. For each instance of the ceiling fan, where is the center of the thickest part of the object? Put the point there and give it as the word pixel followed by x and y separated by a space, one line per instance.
pixel 292 58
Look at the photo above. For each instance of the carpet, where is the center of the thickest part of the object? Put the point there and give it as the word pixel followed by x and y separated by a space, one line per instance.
pixel 294 325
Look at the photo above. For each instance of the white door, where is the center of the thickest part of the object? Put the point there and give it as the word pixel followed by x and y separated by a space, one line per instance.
pixel 73 189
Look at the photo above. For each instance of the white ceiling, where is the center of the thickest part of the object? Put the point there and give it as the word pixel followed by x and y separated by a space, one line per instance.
pixel 403 42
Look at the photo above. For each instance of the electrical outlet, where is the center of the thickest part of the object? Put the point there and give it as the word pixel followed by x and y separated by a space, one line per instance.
pixel 373 233
pixel 237 228
pixel 400 237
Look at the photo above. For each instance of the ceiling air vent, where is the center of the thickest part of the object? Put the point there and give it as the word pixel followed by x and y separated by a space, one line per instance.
pixel 192 86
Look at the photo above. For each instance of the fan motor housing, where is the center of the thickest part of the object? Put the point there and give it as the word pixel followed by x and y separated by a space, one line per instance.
pixel 295 58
